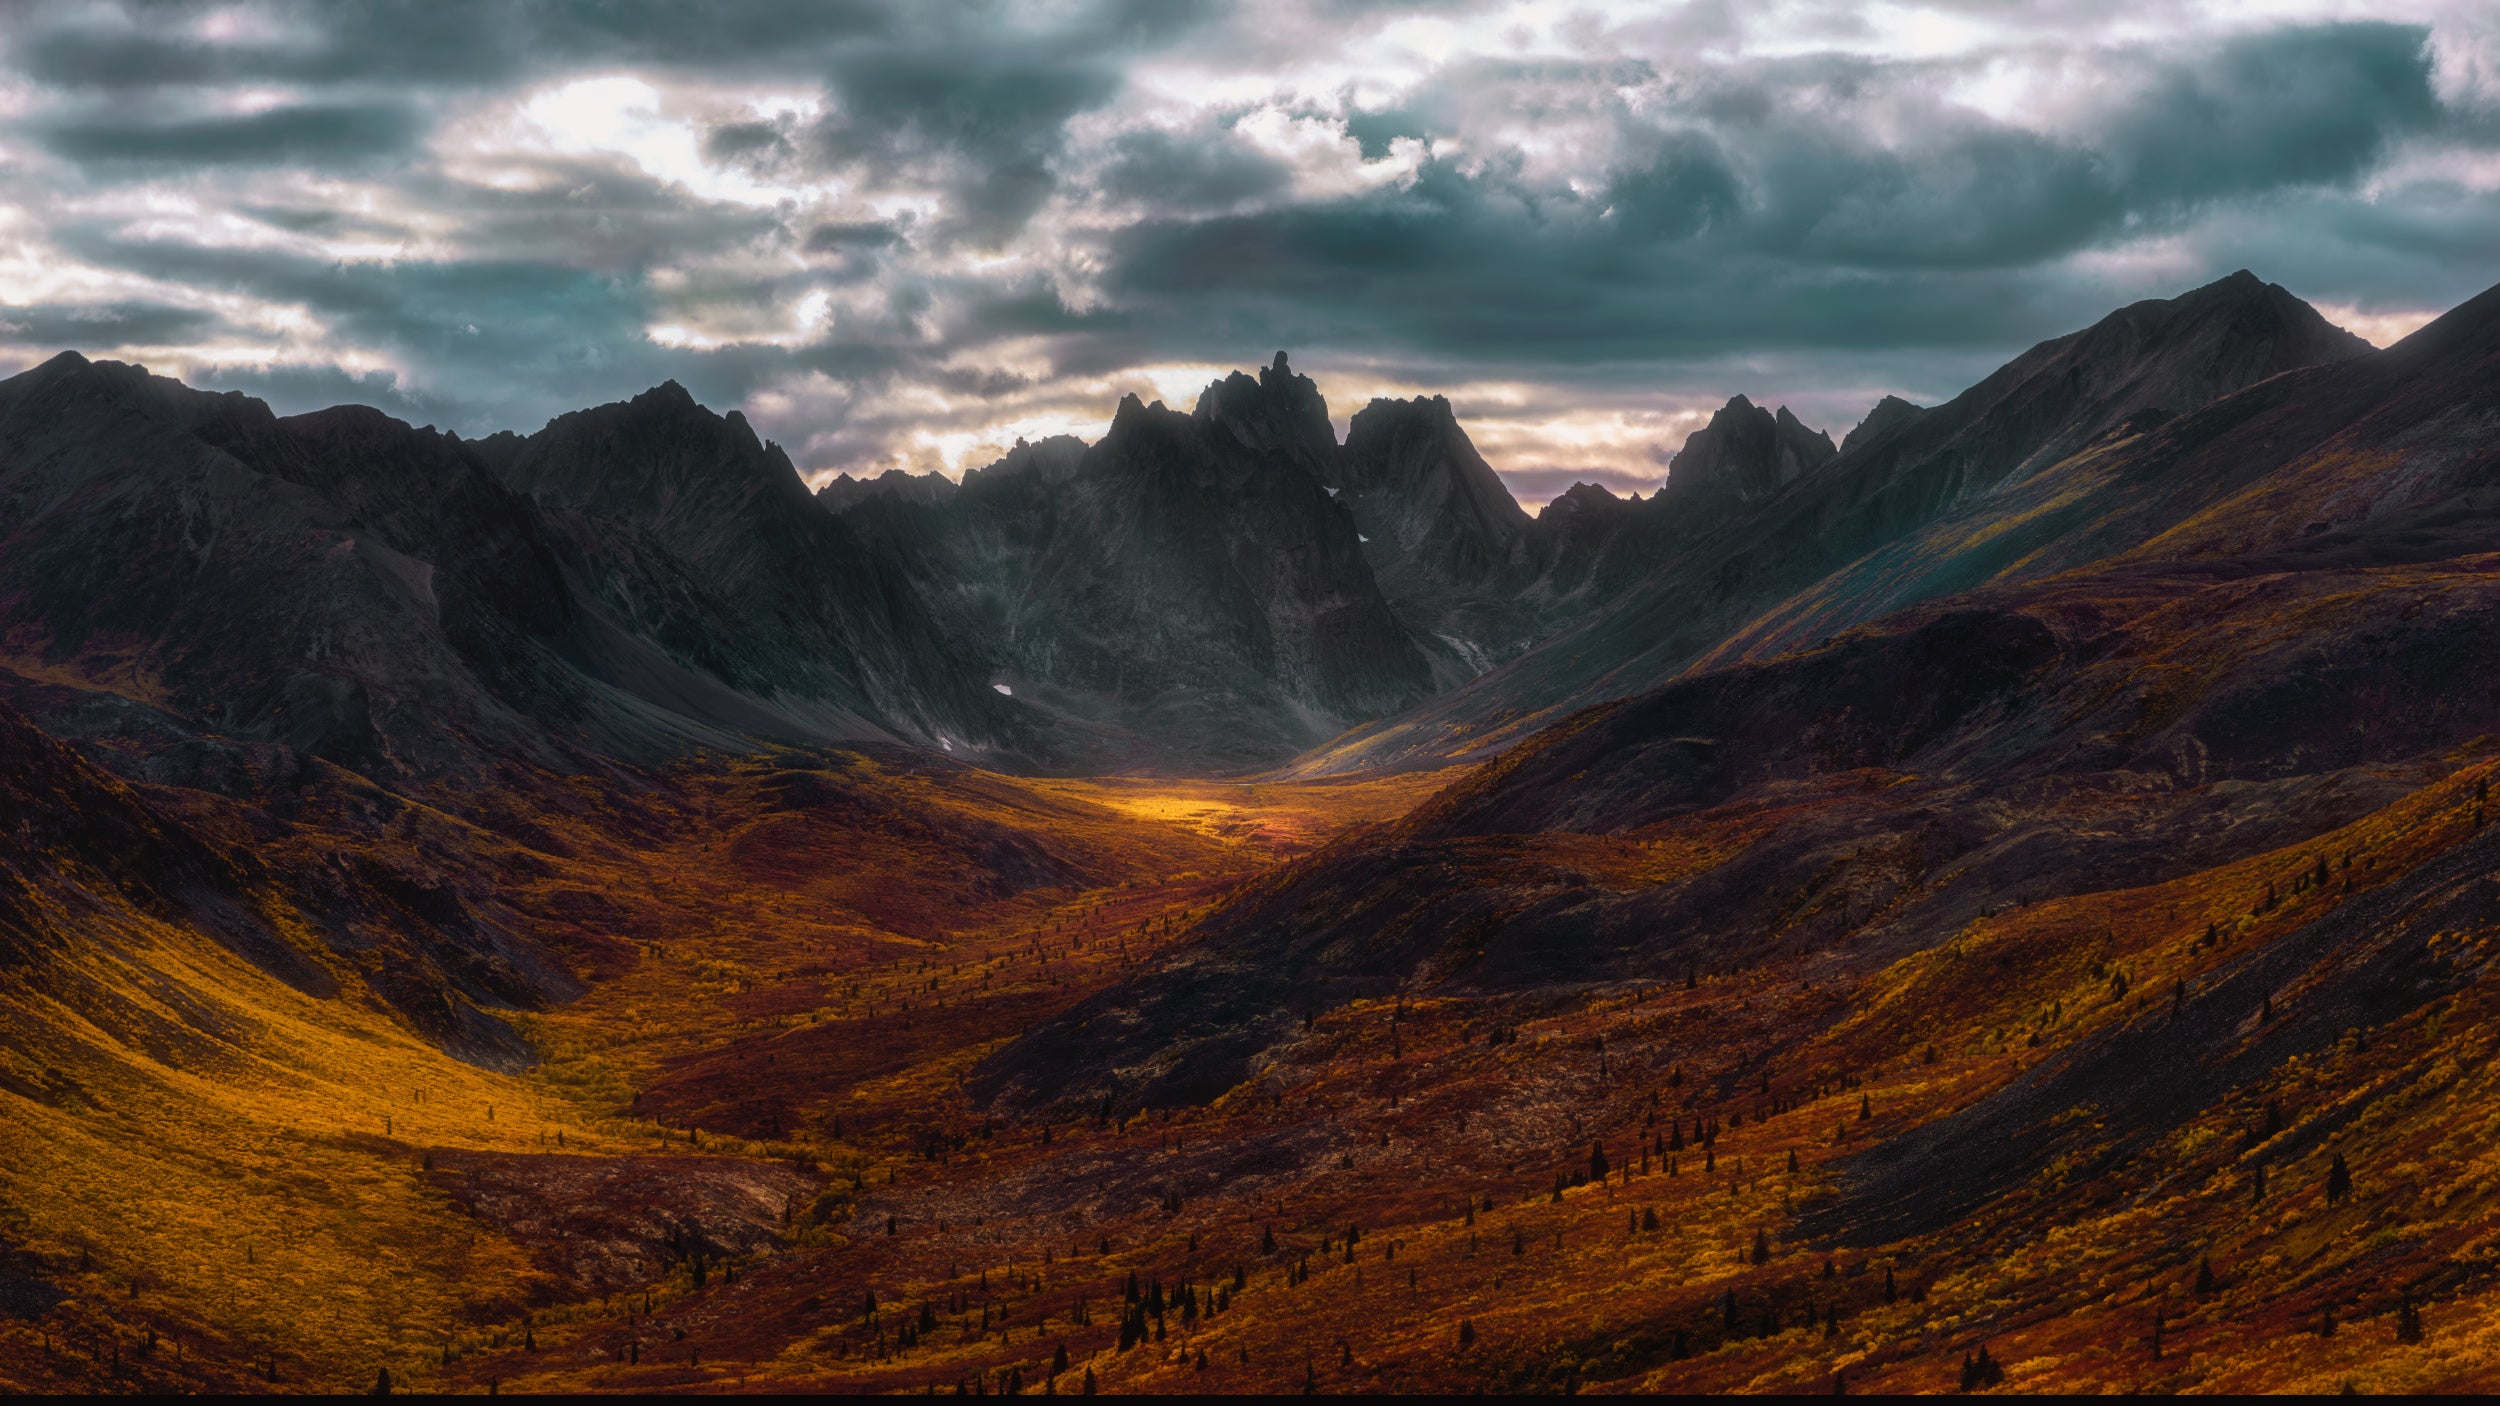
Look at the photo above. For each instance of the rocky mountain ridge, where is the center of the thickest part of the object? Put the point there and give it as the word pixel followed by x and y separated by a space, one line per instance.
pixel 1668 580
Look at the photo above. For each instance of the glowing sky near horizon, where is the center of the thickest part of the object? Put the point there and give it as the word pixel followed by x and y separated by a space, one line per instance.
pixel 904 235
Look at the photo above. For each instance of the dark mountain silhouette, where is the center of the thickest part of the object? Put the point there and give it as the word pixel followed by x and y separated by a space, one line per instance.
pixel 697 536
pixel 1224 588
pixel 1185 592
pixel 843 490
pixel 360 591
pixel 1441 532
pixel 1746 453
pixel 1685 576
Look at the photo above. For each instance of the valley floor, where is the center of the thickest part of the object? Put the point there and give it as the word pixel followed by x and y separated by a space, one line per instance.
pixel 748 1160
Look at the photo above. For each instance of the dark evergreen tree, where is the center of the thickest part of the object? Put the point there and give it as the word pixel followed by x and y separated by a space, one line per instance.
pixel 2338 1181
pixel 2204 1277
pixel 1761 1246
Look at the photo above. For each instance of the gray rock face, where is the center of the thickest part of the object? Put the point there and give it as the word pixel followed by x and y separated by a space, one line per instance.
pixel 700 538
pixel 844 490
pixel 1185 593
pixel 1889 414
pixel 366 592
pixel 1443 535
pixel 1278 417
pixel 1746 453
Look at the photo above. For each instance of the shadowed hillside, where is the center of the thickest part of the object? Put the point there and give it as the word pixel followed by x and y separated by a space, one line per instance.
pixel 1703 562
pixel 2016 911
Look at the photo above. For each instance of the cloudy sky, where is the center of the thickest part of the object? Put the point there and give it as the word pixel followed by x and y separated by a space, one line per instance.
pixel 906 233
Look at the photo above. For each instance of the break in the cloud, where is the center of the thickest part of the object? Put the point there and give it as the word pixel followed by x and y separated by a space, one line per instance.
pixel 905 235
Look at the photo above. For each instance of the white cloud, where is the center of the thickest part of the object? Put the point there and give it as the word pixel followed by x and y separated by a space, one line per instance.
pixel 899 348
pixel 2380 328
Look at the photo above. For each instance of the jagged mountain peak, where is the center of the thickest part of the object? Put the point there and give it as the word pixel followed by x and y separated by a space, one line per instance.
pixel 1279 413
pixel 658 446
pixel 1747 452
pixel 1382 416
pixel 844 491
pixel 1415 451
pixel 1585 496
pixel 1889 414
pixel 1437 522
pixel 1054 457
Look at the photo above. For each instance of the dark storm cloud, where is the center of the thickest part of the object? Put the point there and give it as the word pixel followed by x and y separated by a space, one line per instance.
pixel 989 122
pixel 531 330
pixel 1198 170
pixel 1775 222
pixel 132 323
pixel 852 234
pixel 310 135
pixel 427 42
pixel 2260 113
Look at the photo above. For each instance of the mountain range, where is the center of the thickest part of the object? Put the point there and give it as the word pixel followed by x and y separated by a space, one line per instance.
pixel 1226 589
pixel 2027 821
